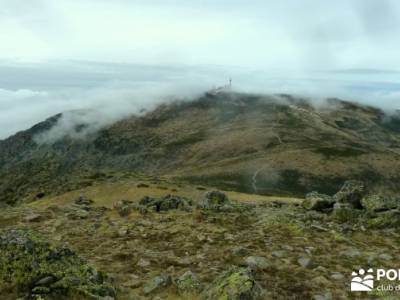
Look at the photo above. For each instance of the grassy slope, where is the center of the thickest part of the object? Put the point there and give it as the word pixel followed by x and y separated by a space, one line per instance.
pixel 177 241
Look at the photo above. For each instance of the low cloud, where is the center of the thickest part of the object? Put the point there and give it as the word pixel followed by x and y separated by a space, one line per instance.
pixel 92 95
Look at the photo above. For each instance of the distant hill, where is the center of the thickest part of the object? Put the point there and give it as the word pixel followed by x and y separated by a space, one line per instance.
pixel 262 144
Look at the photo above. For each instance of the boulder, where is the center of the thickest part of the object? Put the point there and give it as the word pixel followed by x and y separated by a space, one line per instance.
pixel 345 212
pixel 351 193
pixel 234 284
pixel 318 202
pixel 188 283
pixel 257 263
pixel 30 265
pixel 216 201
pixel 379 203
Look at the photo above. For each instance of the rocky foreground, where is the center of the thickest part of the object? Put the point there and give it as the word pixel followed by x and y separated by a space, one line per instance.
pixel 170 246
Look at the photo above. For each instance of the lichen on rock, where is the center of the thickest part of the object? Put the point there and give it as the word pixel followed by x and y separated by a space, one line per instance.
pixel 31 266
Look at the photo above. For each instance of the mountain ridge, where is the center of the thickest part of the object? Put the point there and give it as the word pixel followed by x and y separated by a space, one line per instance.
pixel 264 144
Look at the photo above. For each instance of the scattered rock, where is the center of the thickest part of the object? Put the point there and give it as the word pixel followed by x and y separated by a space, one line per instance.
pixel 234 284
pixel 83 200
pixel 188 283
pixel 157 283
pixel 31 265
pixel 169 202
pixel 318 202
pixel 257 263
pixel 306 262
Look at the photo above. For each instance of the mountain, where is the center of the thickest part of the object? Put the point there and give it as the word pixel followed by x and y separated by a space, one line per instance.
pixel 263 144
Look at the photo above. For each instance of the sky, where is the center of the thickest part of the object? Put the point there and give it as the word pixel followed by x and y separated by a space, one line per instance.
pixel 73 54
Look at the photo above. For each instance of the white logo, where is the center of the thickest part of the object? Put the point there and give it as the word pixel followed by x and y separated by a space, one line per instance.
pixel 362 282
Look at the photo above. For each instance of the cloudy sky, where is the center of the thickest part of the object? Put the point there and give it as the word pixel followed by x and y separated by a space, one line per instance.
pixel 268 33
pixel 64 54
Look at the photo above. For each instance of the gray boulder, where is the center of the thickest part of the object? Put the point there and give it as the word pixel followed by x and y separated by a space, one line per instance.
pixel 317 201
pixel 351 193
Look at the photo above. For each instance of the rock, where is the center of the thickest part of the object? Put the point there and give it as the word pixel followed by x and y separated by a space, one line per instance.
pixel 345 212
pixel 385 256
pixel 47 269
pixel 77 214
pixel 306 262
pixel 379 203
pixel 350 253
pixel 33 218
pixel 46 281
pixel 218 202
pixel 143 263
pixel 188 283
pixel 318 202
pixel 157 283
pixel 279 254
pixel 123 231
pixel 123 207
pixel 337 276
pixel 134 282
pixel 169 202
pixel 83 200
pixel 351 193
pixel 216 198
pixel 257 263
pixel 326 296
pixel 240 251
pixel 234 284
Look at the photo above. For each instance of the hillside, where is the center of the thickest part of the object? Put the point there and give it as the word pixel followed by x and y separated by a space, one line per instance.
pixel 201 200
pixel 271 145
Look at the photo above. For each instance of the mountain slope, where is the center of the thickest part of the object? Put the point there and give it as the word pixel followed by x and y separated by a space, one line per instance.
pixel 252 143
